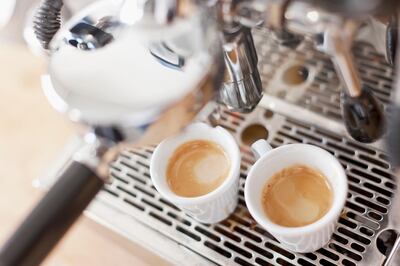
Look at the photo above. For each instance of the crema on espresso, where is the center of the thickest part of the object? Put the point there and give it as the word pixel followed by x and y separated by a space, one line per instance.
pixel 297 196
pixel 196 168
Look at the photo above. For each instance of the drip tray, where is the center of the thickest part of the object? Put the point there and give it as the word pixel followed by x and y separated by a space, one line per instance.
pixel 239 239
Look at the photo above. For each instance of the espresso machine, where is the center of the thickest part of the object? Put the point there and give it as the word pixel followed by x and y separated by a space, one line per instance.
pixel 288 71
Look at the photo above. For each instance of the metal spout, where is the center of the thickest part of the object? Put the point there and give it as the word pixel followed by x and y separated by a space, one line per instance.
pixel 242 88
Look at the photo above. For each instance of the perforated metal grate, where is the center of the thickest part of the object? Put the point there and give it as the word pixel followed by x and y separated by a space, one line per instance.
pixel 239 239
pixel 320 93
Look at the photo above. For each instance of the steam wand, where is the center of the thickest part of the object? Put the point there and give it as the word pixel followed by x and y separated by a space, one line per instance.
pixel 362 112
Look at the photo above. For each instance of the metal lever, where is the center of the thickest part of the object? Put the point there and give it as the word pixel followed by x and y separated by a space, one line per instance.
pixel 362 112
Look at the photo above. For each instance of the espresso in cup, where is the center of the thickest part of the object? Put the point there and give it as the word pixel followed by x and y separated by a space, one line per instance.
pixel 297 196
pixel 196 168
pixel 296 192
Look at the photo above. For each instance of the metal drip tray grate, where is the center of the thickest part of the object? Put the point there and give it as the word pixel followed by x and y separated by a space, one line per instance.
pixel 239 239
pixel 321 91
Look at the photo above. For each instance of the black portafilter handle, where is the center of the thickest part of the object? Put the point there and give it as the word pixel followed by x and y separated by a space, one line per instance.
pixel 52 217
pixel 363 115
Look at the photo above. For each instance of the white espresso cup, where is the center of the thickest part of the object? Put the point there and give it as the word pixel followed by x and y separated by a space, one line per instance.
pixel 219 203
pixel 270 161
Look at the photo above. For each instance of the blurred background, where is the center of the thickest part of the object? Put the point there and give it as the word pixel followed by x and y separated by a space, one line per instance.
pixel 32 135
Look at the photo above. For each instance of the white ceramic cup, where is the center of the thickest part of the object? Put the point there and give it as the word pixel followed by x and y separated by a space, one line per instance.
pixel 219 203
pixel 270 161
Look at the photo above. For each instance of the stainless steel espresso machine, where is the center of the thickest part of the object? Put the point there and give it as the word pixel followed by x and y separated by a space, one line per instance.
pixel 133 72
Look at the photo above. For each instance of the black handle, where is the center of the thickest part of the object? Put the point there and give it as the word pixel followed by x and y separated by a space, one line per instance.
pixel 52 217
pixel 363 116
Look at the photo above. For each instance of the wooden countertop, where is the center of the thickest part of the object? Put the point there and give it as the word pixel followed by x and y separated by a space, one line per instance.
pixel 31 135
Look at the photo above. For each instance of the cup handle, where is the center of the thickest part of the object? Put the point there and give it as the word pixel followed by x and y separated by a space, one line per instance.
pixel 260 147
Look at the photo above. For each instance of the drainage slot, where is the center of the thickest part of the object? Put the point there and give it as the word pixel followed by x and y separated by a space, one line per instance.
pixel 346 252
pixel 207 234
pixel 357 247
pixel 151 204
pixel 144 191
pixel 366 231
pixel 136 178
pixel 110 192
pixel 340 148
pixel 179 218
pixel 247 234
pixel 374 161
pixel 375 216
pixel 143 164
pixel 289 136
pixel 353 179
pixel 263 262
pixel 363 220
pixel 340 239
pixel 328 254
pixel 360 147
pixel 242 262
pixel 283 262
pixel 324 262
pixel 355 207
pixel 139 154
pixel 253 133
pixel 303 262
pixel 361 191
pixel 127 164
pixel 281 251
pixel 188 233
pixel 378 189
pixel 390 185
pixel 298 124
pixel 371 205
pixel 137 206
pixel 260 251
pixel 113 175
pixel 311 256
pixel 383 173
pixel 217 249
pixel 383 200
pixel 354 162
pixel 226 233
pixel 348 263
pixel 238 250
pixel 169 204
pixel 354 236
pixel 317 139
pixel 239 220
pixel 365 175
pixel 126 191
pixel 347 223
pixel 295 75
pixel 159 218
pixel 329 135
